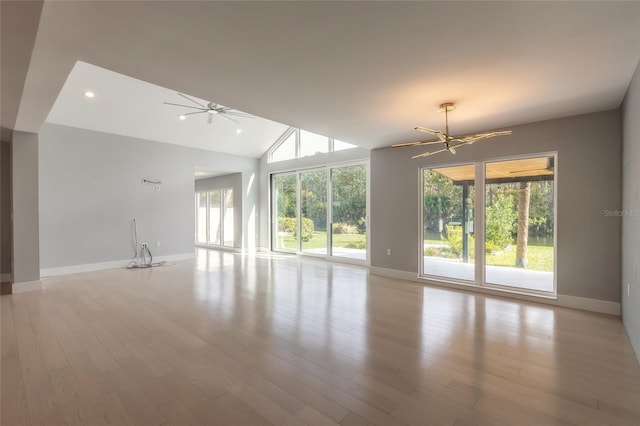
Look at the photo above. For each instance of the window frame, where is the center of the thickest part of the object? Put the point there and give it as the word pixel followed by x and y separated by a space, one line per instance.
pixel 480 227
pixel 297 131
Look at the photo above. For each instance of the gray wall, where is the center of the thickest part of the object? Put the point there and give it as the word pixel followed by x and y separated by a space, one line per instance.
pixel 233 181
pixel 631 204
pixel 24 168
pixel 5 208
pixel 267 169
pixel 588 179
pixel 90 190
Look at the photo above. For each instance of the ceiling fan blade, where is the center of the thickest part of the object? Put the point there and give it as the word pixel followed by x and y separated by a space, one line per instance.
pixel 228 118
pixel 209 118
pixel 452 149
pixel 472 139
pixel 400 145
pixel 184 106
pixel 191 100
pixel 438 133
pixel 424 129
pixel 196 112
pixel 426 154
pixel 238 114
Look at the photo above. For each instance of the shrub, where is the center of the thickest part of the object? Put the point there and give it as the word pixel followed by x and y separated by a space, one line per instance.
pixel 500 218
pixel 361 245
pixel 344 228
pixel 290 224
pixel 432 251
pixel 454 238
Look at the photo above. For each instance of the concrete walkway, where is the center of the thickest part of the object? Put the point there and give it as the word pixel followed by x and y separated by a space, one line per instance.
pixel 501 275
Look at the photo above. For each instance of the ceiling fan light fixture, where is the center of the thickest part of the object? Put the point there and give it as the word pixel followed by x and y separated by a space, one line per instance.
pixel 446 107
pixel 451 143
pixel 89 94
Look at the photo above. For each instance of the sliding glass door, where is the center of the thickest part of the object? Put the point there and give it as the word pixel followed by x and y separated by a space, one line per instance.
pixel 331 205
pixel 448 204
pixel 284 224
pixel 313 209
pixel 349 212
pixel 214 218
pixel 517 223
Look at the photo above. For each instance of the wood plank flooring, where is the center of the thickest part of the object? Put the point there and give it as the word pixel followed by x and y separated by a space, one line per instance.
pixel 229 339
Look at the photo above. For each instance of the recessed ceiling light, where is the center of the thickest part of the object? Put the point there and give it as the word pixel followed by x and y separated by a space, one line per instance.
pixel 182 117
pixel 89 94
pixel 238 130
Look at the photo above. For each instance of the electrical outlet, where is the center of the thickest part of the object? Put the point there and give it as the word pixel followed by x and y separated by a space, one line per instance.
pixel 144 245
pixel 157 243
pixel 388 252
pixel 628 290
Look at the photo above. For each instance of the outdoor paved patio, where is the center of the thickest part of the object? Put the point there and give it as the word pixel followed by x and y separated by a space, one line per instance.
pixel 501 275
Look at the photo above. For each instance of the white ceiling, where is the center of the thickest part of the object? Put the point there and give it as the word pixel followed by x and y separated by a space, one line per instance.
pixel 127 106
pixel 362 72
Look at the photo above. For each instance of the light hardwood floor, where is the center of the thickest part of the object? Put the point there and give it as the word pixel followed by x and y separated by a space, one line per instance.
pixel 238 340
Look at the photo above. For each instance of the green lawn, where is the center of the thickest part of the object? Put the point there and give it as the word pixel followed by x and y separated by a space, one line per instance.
pixel 539 253
pixel 319 240
pixel 540 258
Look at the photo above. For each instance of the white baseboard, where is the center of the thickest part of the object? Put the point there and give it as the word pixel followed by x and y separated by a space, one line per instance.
pixel 5 277
pixel 26 286
pixel 594 305
pixel 91 267
pixel 394 273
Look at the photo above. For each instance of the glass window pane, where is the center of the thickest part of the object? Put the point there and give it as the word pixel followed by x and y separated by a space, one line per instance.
pixel 201 217
pixel 228 218
pixel 339 145
pixel 313 205
pixel 349 212
pixel 448 204
pixel 214 217
pixel 311 143
pixel 519 217
pixel 286 150
pixel 285 213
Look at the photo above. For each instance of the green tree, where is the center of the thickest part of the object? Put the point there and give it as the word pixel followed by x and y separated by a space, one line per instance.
pixel 349 200
pixel 500 217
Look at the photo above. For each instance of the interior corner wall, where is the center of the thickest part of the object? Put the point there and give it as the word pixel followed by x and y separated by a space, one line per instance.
pixel 91 189
pixel 588 183
pixel 5 210
pixel 25 207
pixel 631 212
pixel 233 181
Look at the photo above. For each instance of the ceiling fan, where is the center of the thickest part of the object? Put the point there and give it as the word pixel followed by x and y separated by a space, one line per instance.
pixel 450 142
pixel 212 109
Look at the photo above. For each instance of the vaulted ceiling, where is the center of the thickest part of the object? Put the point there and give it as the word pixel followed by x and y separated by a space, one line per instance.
pixel 363 72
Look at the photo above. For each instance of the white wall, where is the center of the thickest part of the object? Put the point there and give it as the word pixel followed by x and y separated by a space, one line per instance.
pixel 631 207
pixel 90 191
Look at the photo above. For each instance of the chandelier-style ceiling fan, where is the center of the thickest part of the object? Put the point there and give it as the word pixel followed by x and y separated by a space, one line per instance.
pixel 212 109
pixel 450 142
